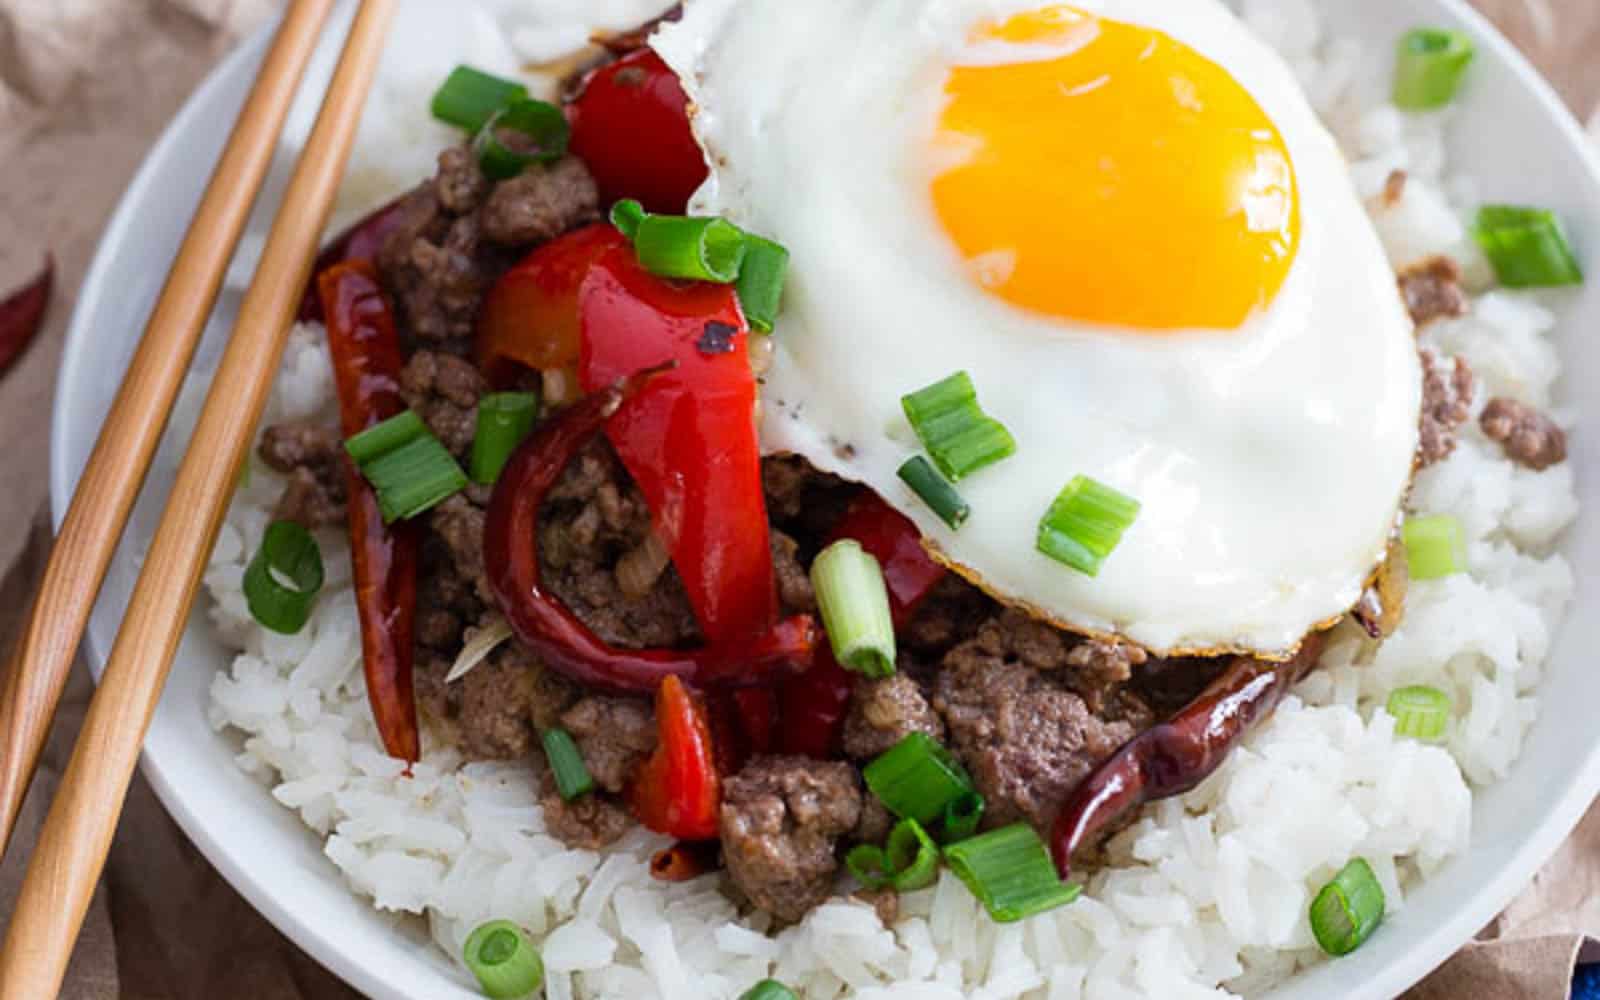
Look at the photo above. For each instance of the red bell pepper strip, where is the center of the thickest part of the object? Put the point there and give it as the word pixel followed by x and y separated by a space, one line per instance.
pixel 814 704
pixel 630 125
pixel 689 437
pixel 366 364
pixel 530 316
pixel 677 791
pixel 22 313
pixel 545 625
pixel 362 241
pixel 1175 756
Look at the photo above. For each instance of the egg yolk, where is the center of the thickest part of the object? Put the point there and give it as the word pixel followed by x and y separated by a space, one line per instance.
pixel 1105 172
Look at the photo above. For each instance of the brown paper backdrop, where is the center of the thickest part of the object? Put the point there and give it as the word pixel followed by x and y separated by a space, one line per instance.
pixel 85 87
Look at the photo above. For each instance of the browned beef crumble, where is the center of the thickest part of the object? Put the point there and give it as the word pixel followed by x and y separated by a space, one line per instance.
pixel 489 711
pixel 883 712
pixel 1432 290
pixel 311 455
pixel 875 823
pixel 444 391
pixel 1025 737
pixel 540 204
pixel 795 592
pixel 587 823
pixel 780 820
pixel 804 501
pixel 952 613
pixel 1447 387
pixel 615 736
pixel 1528 435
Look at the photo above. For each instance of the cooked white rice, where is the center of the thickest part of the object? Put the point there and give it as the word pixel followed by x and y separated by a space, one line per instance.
pixel 1206 896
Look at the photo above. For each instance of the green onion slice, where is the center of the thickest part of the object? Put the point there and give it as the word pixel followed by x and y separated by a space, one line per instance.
pixel 1527 246
pixel 919 474
pixel 1420 712
pixel 380 439
pixel 768 989
pixel 414 478
pixel 1436 546
pixel 761 279
pixel 504 960
pixel 912 856
pixel 1011 873
pixel 959 436
pixel 468 98
pixel 504 419
pixel 917 779
pixel 1085 524
pixel 869 865
pixel 1348 909
pixel 690 247
pixel 282 580
pixel 523 132
pixel 961 818
pixel 1430 67
pixel 573 779
pixel 855 608
pixel 626 216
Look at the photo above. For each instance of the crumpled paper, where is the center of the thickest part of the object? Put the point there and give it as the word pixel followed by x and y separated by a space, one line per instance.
pixel 85 87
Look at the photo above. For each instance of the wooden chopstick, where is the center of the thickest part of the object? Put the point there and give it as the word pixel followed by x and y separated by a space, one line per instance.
pixel 77 832
pixel 132 430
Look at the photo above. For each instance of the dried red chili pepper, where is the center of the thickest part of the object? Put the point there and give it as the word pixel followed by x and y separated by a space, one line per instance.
pixel 366 364
pixel 22 313
pixel 362 241
pixel 813 705
pixel 1175 756
pixel 685 860
pixel 545 625
pixel 677 791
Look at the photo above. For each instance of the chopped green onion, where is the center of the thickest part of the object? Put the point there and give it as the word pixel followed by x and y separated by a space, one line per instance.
pixel 959 436
pixel 1527 246
pixel 855 608
pixel 1430 67
pixel 1436 546
pixel 573 779
pixel 768 989
pixel 1011 873
pixel 506 963
pixel 919 474
pixel 414 478
pixel 626 216
pixel 1420 712
pixel 282 581
pixel 912 856
pixel 1348 909
pixel 504 419
pixel 468 98
pixel 690 247
pixel 961 818
pixel 380 439
pixel 1085 524
pixel 761 278
pixel 869 865
pixel 917 779
pixel 523 132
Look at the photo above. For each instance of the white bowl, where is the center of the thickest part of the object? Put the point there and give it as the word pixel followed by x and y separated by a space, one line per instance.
pixel 1516 138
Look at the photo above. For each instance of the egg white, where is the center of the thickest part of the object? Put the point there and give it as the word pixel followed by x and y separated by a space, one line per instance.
pixel 1270 461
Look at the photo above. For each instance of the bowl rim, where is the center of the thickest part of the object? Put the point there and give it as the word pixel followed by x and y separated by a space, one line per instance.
pixel 1433 947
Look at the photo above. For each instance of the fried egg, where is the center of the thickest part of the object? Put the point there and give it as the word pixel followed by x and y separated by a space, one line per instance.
pixel 1124 221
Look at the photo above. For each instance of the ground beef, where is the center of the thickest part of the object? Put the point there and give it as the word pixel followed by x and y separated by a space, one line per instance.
pixel 444 391
pixel 1432 290
pixel 459 185
pixel 614 734
pixel 1447 388
pixel 309 454
pixel 458 523
pixel 541 204
pixel 1099 669
pixel 592 518
pixel 795 592
pixel 1530 438
pixel 587 823
pixel 780 819
pixel 885 903
pixel 802 500
pixel 953 612
pixel 875 823
pixel 447 598
pixel 489 711
pixel 883 712
pixel 1167 684
pixel 1025 737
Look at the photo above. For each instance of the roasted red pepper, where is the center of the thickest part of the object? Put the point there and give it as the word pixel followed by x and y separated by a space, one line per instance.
pixel 1175 756
pixel 366 364
pixel 630 125
pixel 542 622
pixel 362 241
pixel 22 313
pixel 813 705
pixel 689 437
pixel 530 317
pixel 677 792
